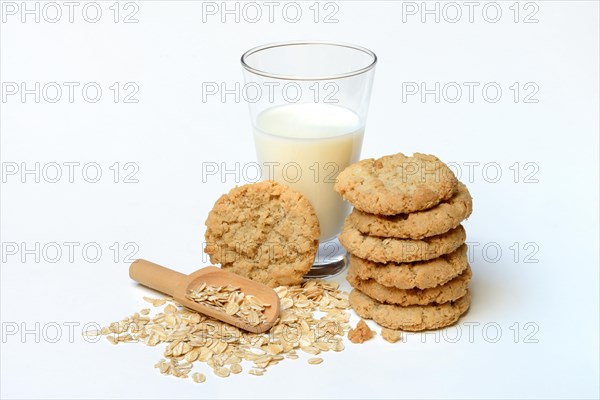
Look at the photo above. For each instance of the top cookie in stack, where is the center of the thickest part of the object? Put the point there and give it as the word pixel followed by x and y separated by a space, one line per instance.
pixel 408 258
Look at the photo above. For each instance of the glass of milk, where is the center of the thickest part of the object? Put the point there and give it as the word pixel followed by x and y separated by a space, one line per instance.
pixel 308 105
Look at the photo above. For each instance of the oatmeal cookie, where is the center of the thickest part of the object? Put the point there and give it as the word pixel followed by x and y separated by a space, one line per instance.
pixel 410 318
pixel 264 231
pixel 396 183
pixel 385 250
pixel 450 291
pixel 434 221
pixel 419 274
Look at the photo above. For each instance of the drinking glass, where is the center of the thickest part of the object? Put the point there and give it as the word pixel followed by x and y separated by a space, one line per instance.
pixel 308 105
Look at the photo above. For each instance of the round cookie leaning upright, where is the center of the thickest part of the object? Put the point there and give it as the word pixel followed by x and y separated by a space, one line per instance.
pixel 264 231
pixel 396 184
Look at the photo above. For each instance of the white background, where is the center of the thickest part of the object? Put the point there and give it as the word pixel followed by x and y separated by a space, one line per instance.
pixel 550 208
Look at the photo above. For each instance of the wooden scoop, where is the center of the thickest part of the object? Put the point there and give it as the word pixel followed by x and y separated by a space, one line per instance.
pixel 177 285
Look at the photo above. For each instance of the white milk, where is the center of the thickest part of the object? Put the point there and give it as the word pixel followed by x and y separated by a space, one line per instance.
pixel 308 146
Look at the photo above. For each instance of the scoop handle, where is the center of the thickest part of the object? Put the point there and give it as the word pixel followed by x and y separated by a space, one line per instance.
pixel 154 276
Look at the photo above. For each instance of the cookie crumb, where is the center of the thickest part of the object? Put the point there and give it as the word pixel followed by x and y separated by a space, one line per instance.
pixel 391 335
pixel 361 333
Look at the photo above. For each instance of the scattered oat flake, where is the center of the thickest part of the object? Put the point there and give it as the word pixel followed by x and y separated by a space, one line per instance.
pixel 222 372
pixel 198 377
pixel 190 338
pixel 155 302
pixel 257 372
pixel 314 361
pixel 236 368
pixel 170 309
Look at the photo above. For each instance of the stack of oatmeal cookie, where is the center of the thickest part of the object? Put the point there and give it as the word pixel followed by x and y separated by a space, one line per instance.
pixel 408 262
